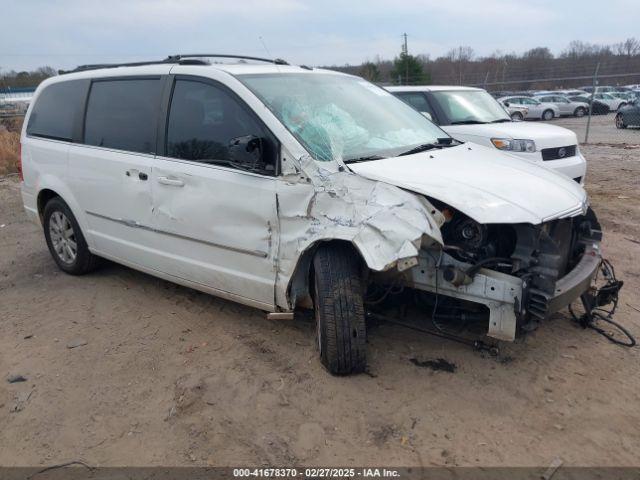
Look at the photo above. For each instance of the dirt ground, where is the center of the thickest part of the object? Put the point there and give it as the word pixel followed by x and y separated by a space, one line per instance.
pixel 168 376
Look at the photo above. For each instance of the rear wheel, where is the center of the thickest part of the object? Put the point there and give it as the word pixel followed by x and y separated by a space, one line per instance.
pixel 547 115
pixel 66 243
pixel 580 112
pixel 620 121
pixel 517 116
pixel 339 309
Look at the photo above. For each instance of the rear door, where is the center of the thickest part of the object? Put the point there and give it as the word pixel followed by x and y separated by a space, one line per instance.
pixel 215 216
pixel 110 171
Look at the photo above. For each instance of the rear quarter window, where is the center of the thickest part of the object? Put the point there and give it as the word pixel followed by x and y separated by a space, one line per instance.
pixel 57 110
pixel 123 114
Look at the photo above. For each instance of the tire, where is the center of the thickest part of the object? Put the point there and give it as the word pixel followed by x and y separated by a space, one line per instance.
pixel 579 112
pixel 517 117
pixel 620 121
pixel 339 309
pixel 58 222
pixel 548 115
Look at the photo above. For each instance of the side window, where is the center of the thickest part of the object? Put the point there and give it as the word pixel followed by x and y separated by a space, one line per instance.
pixel 209 125
pixel 517 101
pixel 122 114
pixel 57 109
pixel 418 101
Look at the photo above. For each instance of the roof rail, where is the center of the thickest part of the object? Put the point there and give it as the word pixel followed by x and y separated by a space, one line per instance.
pixel 190 59
pixel 177 58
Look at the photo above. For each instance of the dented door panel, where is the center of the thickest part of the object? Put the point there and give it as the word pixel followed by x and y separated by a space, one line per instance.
pixel 216 227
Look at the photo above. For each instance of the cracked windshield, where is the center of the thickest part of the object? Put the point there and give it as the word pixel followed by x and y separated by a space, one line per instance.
pixel 342 117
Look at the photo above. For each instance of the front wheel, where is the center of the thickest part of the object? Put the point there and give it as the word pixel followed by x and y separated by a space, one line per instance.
pixel 547 115
pixel 580 112
pixel 517 117
pixel 620 121
pixel 339 309
pixel 66 243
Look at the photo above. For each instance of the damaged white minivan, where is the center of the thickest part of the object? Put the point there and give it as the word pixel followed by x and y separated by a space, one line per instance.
pixel 285 187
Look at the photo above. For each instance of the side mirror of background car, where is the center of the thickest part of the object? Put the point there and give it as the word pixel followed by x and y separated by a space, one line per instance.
pixel 428 115
pixel 247 151
pixel 506 104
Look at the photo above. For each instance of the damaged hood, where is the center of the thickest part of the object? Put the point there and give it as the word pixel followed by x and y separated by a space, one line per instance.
pixel 486 185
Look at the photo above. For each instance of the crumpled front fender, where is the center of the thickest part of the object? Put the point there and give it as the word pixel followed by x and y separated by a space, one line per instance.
pixel 384 223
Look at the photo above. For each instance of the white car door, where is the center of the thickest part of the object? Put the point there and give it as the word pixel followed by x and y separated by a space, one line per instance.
pixel 110 170
pixel 214 201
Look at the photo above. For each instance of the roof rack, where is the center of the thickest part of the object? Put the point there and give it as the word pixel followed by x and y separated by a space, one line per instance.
pixel 177 58
pixel 184 59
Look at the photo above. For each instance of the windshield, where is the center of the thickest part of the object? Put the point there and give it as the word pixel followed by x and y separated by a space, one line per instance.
pixel 469 106
pixel 339 116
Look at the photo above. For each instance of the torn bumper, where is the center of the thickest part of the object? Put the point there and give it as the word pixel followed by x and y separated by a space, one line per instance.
pixel 506 296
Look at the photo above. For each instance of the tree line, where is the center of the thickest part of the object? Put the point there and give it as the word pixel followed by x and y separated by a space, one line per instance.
pixel 537 68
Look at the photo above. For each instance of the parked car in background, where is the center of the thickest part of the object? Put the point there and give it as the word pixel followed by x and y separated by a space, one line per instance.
pixel 629 115
pixel 598 107
pixel 566 106
pixel 517 112
pixel 627 96
pixel 472 115
pixel 613 102
pixel 601 88
pixel 536 109
pixel 573 93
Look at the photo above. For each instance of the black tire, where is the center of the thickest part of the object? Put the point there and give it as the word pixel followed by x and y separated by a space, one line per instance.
pixel 339 309
pixel 620 121
pixel 580 112
pixel 548 115
pixel 84 261
pixel 517 117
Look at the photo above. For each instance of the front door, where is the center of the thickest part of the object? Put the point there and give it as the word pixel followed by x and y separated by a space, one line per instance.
pixel 215 216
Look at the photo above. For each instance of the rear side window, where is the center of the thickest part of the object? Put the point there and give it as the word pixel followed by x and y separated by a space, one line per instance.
pixel 122 114
pixel 57 109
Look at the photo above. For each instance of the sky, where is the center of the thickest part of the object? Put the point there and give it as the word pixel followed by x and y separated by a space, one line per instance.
pixel 67 33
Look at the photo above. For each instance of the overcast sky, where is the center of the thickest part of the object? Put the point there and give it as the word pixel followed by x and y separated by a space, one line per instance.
pixel 65 33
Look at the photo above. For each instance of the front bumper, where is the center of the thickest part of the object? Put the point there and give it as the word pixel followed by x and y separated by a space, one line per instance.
pixel 504 295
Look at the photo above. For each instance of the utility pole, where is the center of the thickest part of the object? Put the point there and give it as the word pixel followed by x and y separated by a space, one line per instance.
pixel 405 52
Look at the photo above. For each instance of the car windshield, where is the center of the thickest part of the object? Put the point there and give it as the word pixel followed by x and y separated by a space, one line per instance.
pixel 469 106
pixel 342 117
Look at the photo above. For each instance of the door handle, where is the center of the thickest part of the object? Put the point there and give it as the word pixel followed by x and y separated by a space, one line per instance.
pixel 174 182
pixel 143 176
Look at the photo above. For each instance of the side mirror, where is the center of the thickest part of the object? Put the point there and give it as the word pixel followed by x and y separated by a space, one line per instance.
pixel 506 104
pixel 428 115
pixel 247 151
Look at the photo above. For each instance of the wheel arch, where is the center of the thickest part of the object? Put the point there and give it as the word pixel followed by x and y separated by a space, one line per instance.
pixel 300 285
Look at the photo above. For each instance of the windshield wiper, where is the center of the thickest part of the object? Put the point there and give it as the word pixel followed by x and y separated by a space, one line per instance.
pixel 501 120
pixel 364 159
pixel 468 122
pixel 441 143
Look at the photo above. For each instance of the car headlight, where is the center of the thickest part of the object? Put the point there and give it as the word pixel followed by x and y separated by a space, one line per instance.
pixel 514 145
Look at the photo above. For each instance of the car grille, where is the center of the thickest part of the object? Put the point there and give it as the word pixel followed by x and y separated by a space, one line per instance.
pixel 558 152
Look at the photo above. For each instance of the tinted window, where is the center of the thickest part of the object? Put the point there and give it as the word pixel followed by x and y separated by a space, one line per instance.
pixel 205 124
pixel 122 114
pixel 56 110
pixel 417 100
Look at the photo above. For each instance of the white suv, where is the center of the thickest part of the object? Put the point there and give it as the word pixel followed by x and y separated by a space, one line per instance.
pixel 472 115
pixel 280 186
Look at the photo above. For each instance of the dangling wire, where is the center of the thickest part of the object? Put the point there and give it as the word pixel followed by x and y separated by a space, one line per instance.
pixel 595 312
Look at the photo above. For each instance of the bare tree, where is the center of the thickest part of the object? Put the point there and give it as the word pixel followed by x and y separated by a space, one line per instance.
pixel 628 48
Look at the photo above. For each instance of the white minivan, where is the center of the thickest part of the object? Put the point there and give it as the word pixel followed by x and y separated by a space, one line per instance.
pixel 285 187
pixel 472 115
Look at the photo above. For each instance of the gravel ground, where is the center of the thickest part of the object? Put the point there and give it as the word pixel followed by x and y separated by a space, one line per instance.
pixel 601 131
pixel 163 375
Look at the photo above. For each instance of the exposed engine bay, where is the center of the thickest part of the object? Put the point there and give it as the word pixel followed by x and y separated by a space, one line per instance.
pixel 506 276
